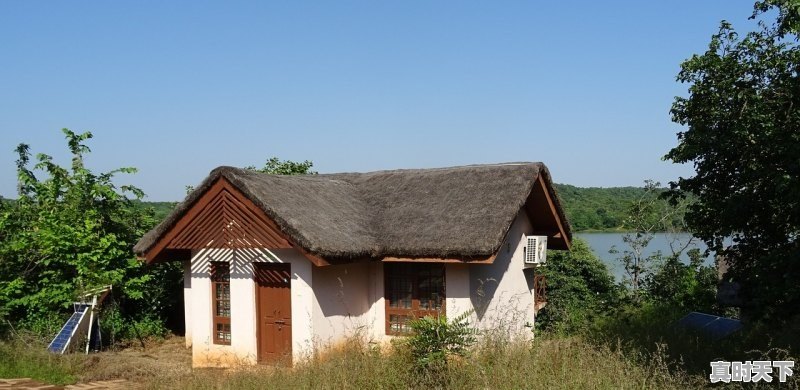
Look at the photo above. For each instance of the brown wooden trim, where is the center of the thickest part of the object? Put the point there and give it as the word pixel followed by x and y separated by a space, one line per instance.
pixel 213 269
pixel 554 211
pixel 539 288
pixel 184 221
pixel 316 260
pixel 475 260
pixel 415 311
pixel 221 185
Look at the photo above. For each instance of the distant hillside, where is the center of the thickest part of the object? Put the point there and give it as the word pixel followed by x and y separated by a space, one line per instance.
pixel 162 209
pixel 594 208
pixel 589 208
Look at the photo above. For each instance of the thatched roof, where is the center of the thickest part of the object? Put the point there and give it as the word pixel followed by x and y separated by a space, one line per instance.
pixel 445 212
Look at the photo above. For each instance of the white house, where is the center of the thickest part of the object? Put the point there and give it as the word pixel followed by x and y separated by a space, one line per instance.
pixel 279 266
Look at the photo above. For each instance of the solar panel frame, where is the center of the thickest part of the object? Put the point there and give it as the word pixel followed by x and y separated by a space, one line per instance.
pixel 711 325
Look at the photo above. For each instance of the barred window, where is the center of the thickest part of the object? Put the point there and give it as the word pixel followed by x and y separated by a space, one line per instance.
pixel 221 305
pixel 412 291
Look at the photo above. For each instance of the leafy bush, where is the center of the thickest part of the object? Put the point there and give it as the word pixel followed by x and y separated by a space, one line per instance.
pixel 435 340
pixel 579 289
pixel 116 326
pixel 692 286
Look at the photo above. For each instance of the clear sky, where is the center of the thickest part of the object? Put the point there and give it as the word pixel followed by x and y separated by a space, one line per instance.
pixel 178 88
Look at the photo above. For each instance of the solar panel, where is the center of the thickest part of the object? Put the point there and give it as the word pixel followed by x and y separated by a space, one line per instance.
pixel 713 326
pixel 64 336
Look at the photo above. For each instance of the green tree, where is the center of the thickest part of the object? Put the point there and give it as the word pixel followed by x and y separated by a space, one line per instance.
pixel 287 167
pixel 579 288
pixel 67 233
pixel 275 166
pixel 742 119
pixel 647 215
pixel 692 287
pixel 596 208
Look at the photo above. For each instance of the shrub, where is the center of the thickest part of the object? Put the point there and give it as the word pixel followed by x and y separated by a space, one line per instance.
pixel 435 339
pixel 692 286
pixel 579 289
pixel 116 326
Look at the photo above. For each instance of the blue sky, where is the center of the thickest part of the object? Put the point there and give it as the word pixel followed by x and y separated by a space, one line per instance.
pixel 178 88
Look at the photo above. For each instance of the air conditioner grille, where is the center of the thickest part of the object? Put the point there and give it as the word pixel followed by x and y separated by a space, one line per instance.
pixel 535 249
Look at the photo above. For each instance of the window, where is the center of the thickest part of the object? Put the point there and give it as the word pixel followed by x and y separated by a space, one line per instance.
pixel 412 291
pixel 221 305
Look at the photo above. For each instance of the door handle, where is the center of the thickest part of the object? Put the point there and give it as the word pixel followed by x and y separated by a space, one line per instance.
pixel 279 322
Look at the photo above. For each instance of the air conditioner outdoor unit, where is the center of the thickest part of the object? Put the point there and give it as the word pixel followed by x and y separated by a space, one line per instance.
pixel 535 250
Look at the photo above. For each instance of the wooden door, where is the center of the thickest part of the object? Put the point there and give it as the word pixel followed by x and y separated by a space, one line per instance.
pixel 274 311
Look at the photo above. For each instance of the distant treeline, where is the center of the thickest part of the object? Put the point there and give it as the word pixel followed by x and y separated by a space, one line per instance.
pixel 161 209
pixel 587 208
pixel 595 208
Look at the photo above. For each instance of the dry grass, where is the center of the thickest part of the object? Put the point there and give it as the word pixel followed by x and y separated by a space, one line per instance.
pixel 559 363
pixel 158 359
pixel 26 357
pixel 547 363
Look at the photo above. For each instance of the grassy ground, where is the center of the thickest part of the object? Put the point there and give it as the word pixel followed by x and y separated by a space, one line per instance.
pixel 26 357
pixel 650 331
pixel 547 363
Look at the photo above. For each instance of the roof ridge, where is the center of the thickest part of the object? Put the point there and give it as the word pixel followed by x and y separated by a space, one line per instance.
pixel 224 168
pixel 455 167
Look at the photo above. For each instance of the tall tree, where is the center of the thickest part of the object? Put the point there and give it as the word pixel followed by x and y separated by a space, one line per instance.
pixel 647 215
pixel 742 119
pixel 68 231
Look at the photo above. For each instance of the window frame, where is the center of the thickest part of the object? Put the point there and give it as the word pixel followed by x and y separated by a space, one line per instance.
pixel 413 271
pixel 216 284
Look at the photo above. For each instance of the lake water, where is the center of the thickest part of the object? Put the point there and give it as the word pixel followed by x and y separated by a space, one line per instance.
pixel 601 243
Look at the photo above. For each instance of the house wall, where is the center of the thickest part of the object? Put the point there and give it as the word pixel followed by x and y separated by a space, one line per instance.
pixel 377 313
pixel 243 348
pixel 187 302
pixel 502 293
pixel 350 301
pixel 332 303
pixel 457 290
pixel 346 302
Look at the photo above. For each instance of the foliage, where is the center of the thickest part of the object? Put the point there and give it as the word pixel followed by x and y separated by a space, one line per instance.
pixel 287 167
pixel 118 326
pixel 650 329
pixel 593 208
pixel 742 121
pixel 646 215
pixel 579 289
pixel 435 340
pixel 70 232
pixel 692 287
pixel 160 210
